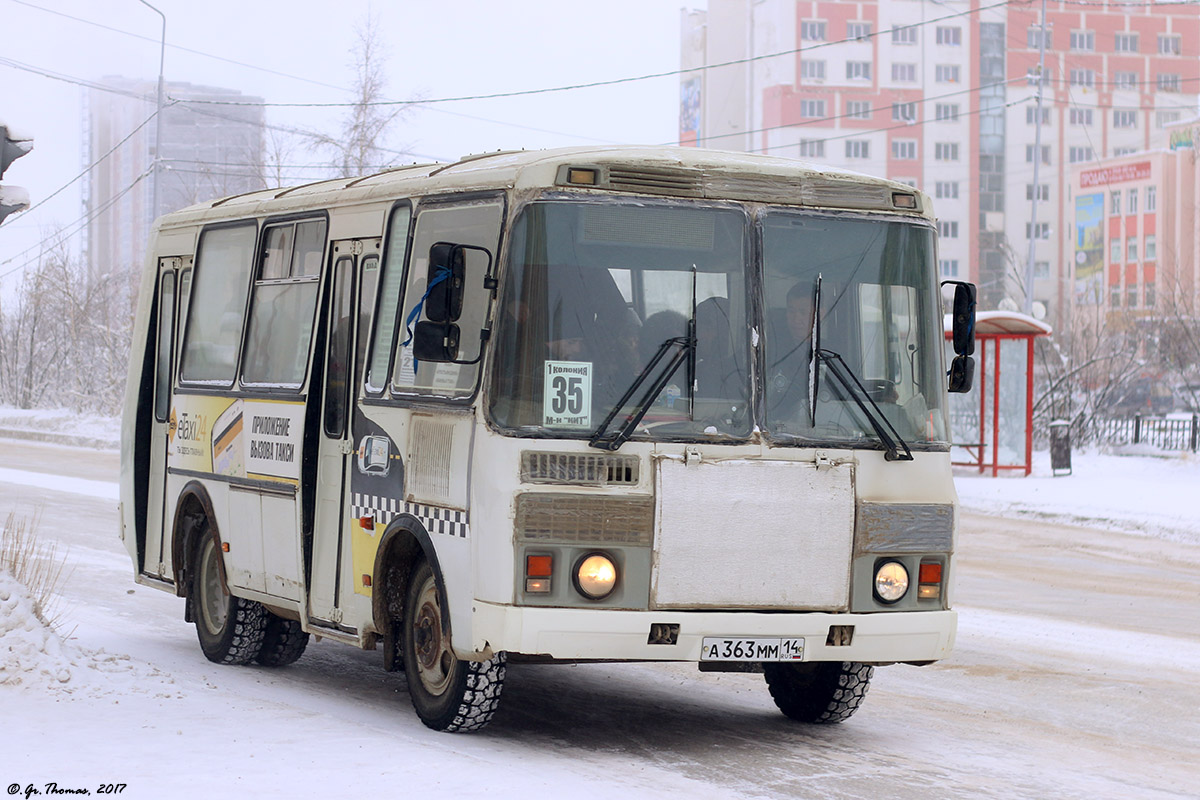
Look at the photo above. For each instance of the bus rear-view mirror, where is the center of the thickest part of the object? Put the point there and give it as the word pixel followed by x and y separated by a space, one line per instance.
pixel 963 317
pixel 962 374
pixel 435 341
pixel 445 281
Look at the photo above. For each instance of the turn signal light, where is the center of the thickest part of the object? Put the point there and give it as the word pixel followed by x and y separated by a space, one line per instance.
pixel 929 585
pixel 538 570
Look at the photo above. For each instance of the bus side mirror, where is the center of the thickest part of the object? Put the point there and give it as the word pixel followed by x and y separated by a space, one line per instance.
pixel 445 281
pixel 962 374
pixel 963 317
pixel 435 341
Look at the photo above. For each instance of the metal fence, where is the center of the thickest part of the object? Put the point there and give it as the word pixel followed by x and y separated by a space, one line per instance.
pixel 1161 432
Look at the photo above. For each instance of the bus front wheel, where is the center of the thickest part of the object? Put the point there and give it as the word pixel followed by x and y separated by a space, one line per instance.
pixel 231 629
pixel 818 691
pixel 449 694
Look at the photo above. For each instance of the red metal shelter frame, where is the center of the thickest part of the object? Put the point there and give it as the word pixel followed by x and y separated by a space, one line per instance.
pixel 992 328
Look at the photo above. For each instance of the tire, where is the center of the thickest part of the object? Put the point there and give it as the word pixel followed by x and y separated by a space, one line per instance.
pixel 818 691
pixel 283 642
pixel 230 629
pixel 448 694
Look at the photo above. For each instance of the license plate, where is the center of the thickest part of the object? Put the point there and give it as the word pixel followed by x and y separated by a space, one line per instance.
pixel 717 648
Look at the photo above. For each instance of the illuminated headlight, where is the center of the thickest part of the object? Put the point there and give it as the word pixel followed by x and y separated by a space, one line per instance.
pixel 596 576
pixel 891 581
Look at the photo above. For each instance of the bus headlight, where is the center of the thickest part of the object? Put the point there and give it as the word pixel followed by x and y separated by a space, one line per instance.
pixel 596 576
pixel 891 581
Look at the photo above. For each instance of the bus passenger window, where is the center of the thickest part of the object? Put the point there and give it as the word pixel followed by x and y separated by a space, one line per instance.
pixel 219 288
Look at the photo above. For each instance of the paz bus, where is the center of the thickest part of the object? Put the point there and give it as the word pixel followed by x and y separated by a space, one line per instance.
pixel 618 404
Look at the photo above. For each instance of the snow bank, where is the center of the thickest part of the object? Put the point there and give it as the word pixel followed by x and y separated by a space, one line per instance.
pixel 1134 493
pixel 61 426
pixel 33 656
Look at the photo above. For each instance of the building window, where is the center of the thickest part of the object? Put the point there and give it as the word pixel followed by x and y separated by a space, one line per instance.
pixel 1083 77
pixel 1125 42
pixel 1125 80
pixel 1043 191
pixel 1131 295
pixel 1114 251
pixel 946 190
pixel 1151 199
pixel 1037 33
pixel 858 70
pixel 813 70
pixel 1131 200
pixel 949 35
pixel 812 109
pixel 1077 154
pixel 858 148
pixel 1131 250
pixel 1031 115
pixel 946 112
pixel 1029 154
pixel 1114 296
pixel 1151 253
pixel 858 30
pixel 1150 298
pixel 812 148
pixel 949 267
pixel 1114 205
pixel 1168 82
pixel 1081 116
pixel 906 35
pixel 1040 229
pixel 1041 270
pixel 947 73
pixel 904 73
pixel 945 151
pixel 948 229
pixel 1169 44
pixel 812 31
pixel 1164 118
pixel 907 181
pixel 904 112
pixel 1123 151
pixel 1124 118
pixel 904 149
pixel 1083 41
pixel 858 109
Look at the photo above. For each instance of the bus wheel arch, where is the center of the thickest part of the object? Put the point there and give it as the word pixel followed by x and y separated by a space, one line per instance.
pixel 404 544
pixel 194 518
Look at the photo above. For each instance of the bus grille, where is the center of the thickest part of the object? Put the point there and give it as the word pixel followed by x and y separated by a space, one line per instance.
pixel 579 469
pixel 585 518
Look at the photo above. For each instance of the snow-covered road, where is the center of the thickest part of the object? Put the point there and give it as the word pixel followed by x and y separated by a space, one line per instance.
pixel 1076 674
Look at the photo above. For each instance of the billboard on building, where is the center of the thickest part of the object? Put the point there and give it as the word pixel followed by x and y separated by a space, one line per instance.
pixel 689 112
pixel 1089 249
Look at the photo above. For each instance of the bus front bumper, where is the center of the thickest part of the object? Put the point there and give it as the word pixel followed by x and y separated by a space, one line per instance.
pixel 565 633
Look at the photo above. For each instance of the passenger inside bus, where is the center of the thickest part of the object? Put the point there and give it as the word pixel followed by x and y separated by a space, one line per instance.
pixel 788 371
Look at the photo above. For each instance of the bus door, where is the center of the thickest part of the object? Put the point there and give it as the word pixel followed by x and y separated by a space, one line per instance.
pixel 173 276
pixel 355 266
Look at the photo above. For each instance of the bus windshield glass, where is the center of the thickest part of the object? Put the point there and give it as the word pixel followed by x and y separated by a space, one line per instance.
pixel 879 311
pixel 594 291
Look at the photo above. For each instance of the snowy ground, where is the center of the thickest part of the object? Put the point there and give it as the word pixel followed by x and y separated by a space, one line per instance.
pixel 1076 675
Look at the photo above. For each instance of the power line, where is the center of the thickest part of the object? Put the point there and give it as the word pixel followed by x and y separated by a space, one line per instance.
pixel 616 81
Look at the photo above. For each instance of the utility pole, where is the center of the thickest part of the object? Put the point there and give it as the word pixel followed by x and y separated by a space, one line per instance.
pixel 158 115
pixel 1037 162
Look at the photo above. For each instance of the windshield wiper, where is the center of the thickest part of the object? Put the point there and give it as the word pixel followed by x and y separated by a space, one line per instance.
pixel 686 352
pixel 890 437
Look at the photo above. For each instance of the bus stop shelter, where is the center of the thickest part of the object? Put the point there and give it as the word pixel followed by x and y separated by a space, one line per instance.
pixel 991 427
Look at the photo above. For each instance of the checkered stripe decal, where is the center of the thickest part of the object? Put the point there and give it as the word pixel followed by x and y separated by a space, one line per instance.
pixel 446 521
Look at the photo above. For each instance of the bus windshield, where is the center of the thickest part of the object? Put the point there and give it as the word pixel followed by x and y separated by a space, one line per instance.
pixel 596 289
pixel 879 313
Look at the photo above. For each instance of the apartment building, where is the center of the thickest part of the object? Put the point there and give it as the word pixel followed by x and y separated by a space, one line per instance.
pixel 943 95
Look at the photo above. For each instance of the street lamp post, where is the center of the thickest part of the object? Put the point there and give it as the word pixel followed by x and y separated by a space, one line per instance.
pixel 158 118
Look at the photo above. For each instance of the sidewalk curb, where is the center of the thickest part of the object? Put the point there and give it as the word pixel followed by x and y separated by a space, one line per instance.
pixel 53 437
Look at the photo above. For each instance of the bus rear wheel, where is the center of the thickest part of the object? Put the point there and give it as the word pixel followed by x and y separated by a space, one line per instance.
pixel 283 642
pixel 230 629
pixel 449 694
pixel 818 691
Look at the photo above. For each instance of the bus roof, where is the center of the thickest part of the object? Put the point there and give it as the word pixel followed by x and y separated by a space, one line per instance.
pixel 664 171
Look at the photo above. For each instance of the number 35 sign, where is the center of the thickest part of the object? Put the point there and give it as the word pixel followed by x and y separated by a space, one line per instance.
pixel 568 394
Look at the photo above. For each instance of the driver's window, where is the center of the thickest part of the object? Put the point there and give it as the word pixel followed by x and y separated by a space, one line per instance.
pixel 477 225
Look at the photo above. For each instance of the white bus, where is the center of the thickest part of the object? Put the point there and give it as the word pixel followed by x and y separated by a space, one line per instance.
pixel 620 404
